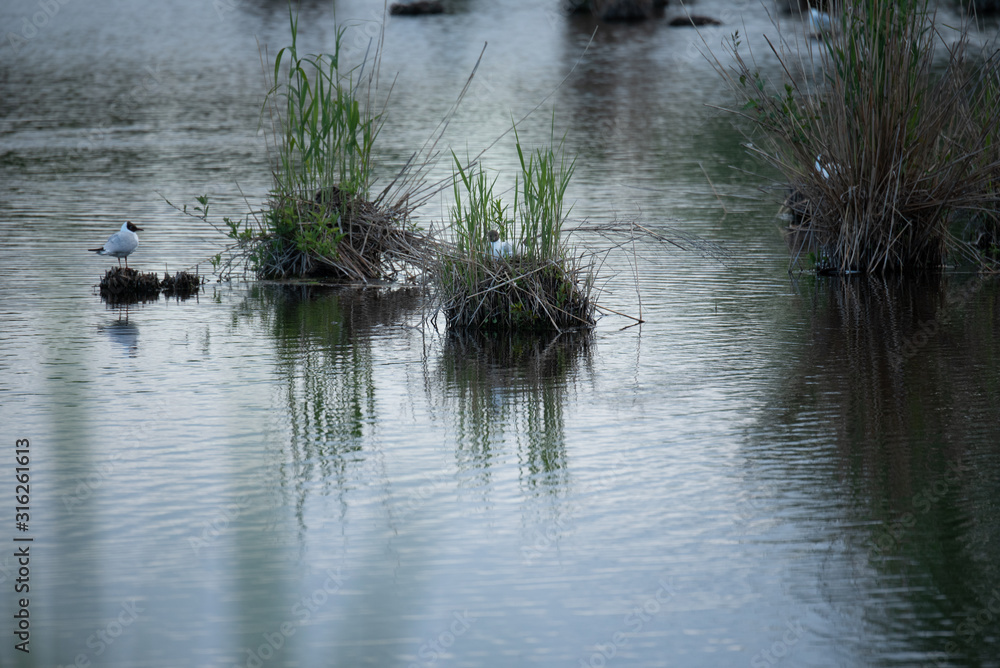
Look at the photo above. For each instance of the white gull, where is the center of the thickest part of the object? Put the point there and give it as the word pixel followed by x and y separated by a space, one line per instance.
pixel 499 248
pixel 121 244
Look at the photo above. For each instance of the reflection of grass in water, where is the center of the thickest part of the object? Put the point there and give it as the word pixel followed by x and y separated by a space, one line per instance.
pixel 913 443
pixel 324 354
pixel 896 412
pixel 516 380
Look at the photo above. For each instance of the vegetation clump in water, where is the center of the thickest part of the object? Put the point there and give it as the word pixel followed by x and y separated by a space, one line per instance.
pixel 126 285
pixel 321 220
pixel 416 8
pixel 617 10
pixel 890 158
pixel 514 273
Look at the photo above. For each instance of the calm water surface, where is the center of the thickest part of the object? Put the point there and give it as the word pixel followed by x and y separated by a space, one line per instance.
pixel 772 470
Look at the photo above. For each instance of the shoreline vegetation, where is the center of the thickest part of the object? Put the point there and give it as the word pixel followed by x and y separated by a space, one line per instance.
pixel 891 159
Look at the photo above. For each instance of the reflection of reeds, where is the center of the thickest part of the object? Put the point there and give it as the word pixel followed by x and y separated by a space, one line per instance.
pixel 904 451
pixel 323 339
pixel 894 359
pixel 514 384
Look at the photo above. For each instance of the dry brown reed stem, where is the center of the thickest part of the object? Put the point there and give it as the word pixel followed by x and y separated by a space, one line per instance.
pixel 622 233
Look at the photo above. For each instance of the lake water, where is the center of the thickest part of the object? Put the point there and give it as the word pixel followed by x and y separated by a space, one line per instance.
pixel 772 470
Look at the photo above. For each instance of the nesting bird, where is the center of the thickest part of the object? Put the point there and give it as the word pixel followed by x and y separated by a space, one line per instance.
pixel 820 168
pixel 499 248
pixel 819 22
pixel 121 244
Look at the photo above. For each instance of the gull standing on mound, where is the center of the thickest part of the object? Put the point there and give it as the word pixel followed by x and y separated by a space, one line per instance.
pixel 121 244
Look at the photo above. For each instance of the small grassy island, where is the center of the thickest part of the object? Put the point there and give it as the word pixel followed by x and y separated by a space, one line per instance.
pixel 321 220
pixel 890 149
pixel 514 272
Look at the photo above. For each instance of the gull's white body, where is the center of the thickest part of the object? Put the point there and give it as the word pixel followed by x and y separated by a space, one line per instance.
pixel 501 249
pixel 820 168
pixel 819 22
pixel 122 243
pixel 498 248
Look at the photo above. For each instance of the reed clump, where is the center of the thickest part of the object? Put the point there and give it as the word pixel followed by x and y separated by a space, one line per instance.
pixel 321 221
pixel 333 235
pixel 182 284
pixel 886 149
pixel 509 269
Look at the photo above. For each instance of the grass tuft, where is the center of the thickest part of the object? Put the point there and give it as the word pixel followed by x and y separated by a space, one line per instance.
pixel 321 221
pixel 530 284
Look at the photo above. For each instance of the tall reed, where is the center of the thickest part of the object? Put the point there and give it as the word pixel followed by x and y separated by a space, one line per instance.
pixel 476 211
pixel 323 123
pixel 874 136
pixel 544 177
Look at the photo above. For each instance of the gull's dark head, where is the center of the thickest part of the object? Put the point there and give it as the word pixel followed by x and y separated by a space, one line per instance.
pixel 493 236
pixel 132 227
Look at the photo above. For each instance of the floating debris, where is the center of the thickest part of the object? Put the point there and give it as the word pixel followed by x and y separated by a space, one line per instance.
pixel 181 284
pixel 418 8
pixel 128 286
pixel 694 20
